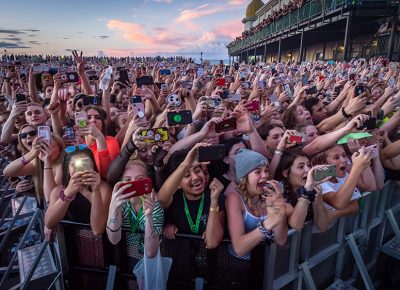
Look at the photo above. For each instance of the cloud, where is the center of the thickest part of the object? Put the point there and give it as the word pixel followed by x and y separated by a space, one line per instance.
pixel 236 2
pixel 11 38
pixel 201 11
pixel 165 1
pixel 12 45
pixel 104 36
pixel 17 31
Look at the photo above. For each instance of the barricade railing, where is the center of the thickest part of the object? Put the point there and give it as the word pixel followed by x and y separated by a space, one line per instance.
pixel 309 259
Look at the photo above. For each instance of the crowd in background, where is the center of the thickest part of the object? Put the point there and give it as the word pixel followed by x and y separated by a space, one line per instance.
pixel 271 18
pixel 157 147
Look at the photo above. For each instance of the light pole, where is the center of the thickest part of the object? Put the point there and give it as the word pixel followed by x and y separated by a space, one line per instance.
pixel 201 57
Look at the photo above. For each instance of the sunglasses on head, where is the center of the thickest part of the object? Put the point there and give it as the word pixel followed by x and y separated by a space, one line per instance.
pixel 25 135
pixel 71 149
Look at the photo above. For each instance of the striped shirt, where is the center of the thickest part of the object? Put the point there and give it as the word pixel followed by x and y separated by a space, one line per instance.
pixel 129 215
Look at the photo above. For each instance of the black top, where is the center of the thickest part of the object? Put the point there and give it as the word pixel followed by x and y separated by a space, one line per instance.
pixel 392 174
pixel 291 198
pixel 224 181
pixel 79 210
pixel 175 214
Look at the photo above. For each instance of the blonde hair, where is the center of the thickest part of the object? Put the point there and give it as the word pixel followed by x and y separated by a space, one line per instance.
pixel 247 197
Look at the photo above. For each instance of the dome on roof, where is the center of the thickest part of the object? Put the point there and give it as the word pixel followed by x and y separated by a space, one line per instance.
pixel 253 7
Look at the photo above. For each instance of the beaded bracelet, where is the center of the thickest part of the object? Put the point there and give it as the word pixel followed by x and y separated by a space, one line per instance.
pixel 268 234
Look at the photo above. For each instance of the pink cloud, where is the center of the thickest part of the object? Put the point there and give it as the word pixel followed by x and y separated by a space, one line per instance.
pixel 229 29
pixel 236 2
pixel 203 10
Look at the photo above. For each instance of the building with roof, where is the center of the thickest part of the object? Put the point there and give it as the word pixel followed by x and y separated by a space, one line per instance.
pixel 309 30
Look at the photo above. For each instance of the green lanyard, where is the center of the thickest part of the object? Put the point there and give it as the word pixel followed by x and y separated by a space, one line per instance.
pixel 194 227
pixel 134 223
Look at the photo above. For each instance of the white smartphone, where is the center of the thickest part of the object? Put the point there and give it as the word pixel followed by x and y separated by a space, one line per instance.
pixel 45 132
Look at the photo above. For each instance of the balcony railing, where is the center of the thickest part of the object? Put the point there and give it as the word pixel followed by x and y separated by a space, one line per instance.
pixel 308 11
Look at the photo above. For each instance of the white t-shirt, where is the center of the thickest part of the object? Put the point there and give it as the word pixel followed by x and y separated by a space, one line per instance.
pixel 330 186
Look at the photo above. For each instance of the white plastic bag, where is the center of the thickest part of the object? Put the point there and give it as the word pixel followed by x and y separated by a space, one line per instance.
pixel 152 273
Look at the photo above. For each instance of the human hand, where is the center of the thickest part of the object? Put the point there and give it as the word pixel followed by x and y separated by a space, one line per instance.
pixel 216 187
pixel 148 205
pixel 170 230
pixel 23 186
pixel 361 159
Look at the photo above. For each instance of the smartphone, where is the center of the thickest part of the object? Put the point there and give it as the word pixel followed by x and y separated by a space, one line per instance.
pixel 200 71
pixel 374 149
pixel 235 97
pixel 311 91
pixel 246 85
pixel 20 98
pixel 352 77
pixel 138 106
pixel 226 125
pixel 144 81
pixel 253 106
pixel 81 119
pixel 69 133
pixel 174 100
pixel 304 80
pixel 37 68
pixel 179 118
pixel 91 100
pixel 214 102
pixel 163 86
pixel 139 187
pixel 45 132
pixel 297 139
pixel 359 89
pixel 187 85
pixel 261 84
pixel 70 77
pixel 220 82
pixel 392 82
pixel 370 124
pixel 165 72
pixel 155 135
pixel 321 174
pixel 83 164
pixel 337 90
pixel 211 153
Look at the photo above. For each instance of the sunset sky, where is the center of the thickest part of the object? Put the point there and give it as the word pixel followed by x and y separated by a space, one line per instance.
pixel 121 28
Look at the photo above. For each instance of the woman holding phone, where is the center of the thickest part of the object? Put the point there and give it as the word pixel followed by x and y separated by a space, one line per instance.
pixel 140 215
pixel 83 197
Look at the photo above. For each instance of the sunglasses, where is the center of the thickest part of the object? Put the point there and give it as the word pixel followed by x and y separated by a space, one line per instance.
pixel 25 135
pixel 72 149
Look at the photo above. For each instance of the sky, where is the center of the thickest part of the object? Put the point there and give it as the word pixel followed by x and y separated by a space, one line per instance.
pixel 121 28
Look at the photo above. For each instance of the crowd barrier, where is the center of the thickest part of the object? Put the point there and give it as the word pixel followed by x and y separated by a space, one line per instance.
pixel 346 254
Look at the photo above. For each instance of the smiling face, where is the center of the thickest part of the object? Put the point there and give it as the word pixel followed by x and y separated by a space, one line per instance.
pixel 337 156
pixel 146 155
pixel 193 182
pixel 257 179
pixel 297 173
pixel 35 115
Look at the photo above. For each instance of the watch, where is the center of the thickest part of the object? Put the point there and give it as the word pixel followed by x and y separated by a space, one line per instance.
pixel 347 116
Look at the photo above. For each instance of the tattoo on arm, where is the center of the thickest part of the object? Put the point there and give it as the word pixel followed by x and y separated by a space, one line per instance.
pixel 113 220
pixel 152 235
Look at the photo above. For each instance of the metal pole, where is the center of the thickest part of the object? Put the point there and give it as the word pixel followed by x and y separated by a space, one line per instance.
pixel 265 53
pixel 301 46
pixel 347 38
pixel 392 37
pixel 279 49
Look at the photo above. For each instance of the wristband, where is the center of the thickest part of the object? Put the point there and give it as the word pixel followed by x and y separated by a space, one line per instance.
pixel 308 194
pixel 268 234
pixel 278 152
pixel 347 116
pixel 113 231
pixel 63 197
pixel 23 161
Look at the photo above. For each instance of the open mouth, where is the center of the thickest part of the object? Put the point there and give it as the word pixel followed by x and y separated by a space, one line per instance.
pixel 196 184
pixel 29 143
pixel 342 168
pixel 261 186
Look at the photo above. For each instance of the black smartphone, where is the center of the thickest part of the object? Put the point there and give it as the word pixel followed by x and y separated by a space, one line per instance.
pixel 359 89
pixel 311 91
pixel 123 76
pixel 165 72
pixel 236 66
pixel 136 99
pixel 211 153
pixel 179 118
pixel 20 98
pixel 226 125
pixel 144 81
pixel 321 174
pixel 337 90
pixel 91 100
pixel 370 124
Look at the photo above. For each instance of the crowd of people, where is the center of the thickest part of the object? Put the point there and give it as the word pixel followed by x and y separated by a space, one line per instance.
pixel 271 18
pixel 157 147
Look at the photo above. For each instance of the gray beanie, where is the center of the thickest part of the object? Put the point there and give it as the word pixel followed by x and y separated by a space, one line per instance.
pixel 246 161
